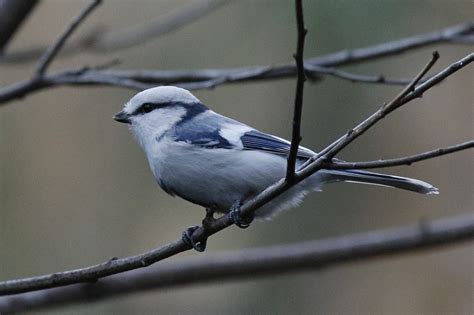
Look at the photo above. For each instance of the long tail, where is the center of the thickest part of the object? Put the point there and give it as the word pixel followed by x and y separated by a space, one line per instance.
pixel 363 177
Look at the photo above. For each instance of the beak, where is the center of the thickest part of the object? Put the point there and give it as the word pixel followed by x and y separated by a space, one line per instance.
pixel 122 117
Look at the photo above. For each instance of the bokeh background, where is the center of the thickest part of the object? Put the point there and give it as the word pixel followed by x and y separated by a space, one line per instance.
pixel 75 189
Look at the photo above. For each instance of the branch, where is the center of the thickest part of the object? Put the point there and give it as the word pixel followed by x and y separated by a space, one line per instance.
pixel 266 261
pixel 459 34
pixel 298 109
pixel 141 80
pixel 209 78
pixel 406 160
pixel 417 92
pixel 315 71
pixel 395 103
pixel 114 266
pixel 12 14
pixel 53 50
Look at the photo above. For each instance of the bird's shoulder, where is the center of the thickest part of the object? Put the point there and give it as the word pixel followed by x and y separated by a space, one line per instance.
pixel 211 130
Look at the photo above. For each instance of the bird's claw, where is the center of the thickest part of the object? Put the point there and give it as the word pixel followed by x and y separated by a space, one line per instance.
pixel 188 239
pixel 242 222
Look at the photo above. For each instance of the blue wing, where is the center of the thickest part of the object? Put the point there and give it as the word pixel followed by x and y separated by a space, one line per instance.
pixel 256 140
pixel 203 131
pixel 207 139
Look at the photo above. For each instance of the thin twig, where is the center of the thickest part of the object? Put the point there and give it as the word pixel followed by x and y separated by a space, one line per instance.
pixel 114 266
pixel 436 79
pixel 53 50
pixel 301 78
pixel 353 77
pixel 406 160
pixel 266 261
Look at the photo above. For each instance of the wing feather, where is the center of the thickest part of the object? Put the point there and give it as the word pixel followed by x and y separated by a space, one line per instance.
pixel 256 140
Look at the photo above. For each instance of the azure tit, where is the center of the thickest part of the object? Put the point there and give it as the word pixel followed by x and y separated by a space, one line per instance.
pixel 219 163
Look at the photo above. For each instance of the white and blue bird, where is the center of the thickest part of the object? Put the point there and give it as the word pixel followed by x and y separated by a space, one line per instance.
pixel 217 162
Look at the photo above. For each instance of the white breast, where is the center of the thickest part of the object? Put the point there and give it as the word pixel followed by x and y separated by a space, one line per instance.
pixel 151 127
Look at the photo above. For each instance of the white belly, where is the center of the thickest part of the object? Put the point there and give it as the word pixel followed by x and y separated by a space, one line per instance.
pixel 218 177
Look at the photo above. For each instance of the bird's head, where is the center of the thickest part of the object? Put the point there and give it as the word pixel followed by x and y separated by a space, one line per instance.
pixel 152 112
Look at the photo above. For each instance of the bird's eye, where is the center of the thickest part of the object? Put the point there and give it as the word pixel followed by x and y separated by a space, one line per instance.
pixel 147 107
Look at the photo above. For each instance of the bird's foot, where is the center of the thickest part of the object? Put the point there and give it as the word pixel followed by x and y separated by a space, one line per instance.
pixel 206 223
pixel 239 220
pixel 188 239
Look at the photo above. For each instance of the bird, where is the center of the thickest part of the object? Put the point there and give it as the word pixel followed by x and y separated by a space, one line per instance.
pixel 220 163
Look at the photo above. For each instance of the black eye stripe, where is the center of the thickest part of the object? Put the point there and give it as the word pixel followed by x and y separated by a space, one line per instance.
pixel 148 107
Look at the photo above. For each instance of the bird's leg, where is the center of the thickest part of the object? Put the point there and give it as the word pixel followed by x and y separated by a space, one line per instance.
pixel 188 239
pixel 209 218
pixel 206 222
pixel 239 220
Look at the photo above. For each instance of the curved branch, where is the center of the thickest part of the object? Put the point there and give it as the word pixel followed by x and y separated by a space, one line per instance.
pixel 273 260
pixel 114 266
pixel 406 160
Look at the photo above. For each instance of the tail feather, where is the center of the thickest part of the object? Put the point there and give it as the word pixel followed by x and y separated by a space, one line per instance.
pixel 363 177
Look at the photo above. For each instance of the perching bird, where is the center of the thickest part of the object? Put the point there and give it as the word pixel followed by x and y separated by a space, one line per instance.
pixel 217 162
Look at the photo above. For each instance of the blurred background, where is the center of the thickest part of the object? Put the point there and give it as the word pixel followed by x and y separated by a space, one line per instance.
pixel 75 189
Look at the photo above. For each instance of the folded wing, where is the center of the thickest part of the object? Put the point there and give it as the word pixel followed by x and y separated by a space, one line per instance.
pixel 256 140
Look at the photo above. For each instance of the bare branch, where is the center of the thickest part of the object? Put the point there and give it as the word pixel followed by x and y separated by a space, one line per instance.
pixel 461 33
pixel 436 79
pixel 395 103
pixel 190 80
pixel 266 261
pixel 298 108
pixel 417 92
pixel 115 266
pixel 53 50
pixel 406 160
pixel 209 78
pixel 12 15
pixel 352 77
pixel 234 75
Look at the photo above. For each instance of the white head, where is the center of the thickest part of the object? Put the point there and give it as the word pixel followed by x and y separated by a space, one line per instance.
pixel 152 112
